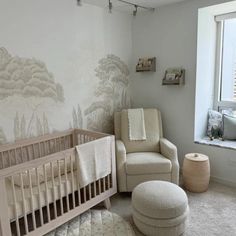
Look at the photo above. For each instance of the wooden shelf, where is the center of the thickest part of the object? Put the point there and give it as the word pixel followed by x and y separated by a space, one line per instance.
pixel 143 68
pixel 178 75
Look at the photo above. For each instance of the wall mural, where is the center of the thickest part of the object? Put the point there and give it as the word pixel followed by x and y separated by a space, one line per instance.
pixel 113 92
pixel 31 85
pixel 77 118
pixel 26 78
pixel 2 137
pixel 33 101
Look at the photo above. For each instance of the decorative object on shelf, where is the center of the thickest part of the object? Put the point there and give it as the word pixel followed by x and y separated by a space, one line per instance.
pixel 146 64
pixel 174 76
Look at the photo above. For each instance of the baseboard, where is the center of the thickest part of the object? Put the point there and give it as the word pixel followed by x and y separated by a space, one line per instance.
pixel 213 179
pixel 223 181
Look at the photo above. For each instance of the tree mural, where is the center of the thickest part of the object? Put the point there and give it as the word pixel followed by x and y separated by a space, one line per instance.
pixel 2 137
pixel 26 78
pixel 28 83
pixel 77 118
pixel 34 127
pixel 113 89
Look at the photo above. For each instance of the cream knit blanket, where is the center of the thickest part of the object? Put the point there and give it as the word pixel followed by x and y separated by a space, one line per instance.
pixel 137 130
pixel 94 160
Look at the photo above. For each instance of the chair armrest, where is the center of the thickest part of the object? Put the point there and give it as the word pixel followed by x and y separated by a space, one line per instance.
pixel 120 165
pixel 169 151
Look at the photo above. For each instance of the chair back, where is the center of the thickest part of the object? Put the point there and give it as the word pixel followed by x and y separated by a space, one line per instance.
pixel 153 127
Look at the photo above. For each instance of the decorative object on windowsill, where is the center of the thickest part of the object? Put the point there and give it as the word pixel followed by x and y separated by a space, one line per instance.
pixel 146 64
pixel 174 76
pixel 215 128
pixel 229 127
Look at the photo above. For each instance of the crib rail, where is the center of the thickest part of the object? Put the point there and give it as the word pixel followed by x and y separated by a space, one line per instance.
pixel 47 184
pixel 34 148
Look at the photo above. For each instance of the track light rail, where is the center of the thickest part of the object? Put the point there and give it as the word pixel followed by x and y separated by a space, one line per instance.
pixel 137 5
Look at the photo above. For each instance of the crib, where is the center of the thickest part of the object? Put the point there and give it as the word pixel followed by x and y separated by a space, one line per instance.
pixel 39 185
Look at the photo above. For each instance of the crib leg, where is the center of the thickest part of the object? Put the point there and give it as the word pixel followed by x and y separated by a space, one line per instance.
pixel 107 203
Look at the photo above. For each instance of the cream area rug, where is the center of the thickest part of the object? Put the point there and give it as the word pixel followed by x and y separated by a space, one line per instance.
pixel 212 213
pixel 95 223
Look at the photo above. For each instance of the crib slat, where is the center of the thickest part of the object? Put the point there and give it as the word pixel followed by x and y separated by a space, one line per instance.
pixel 55 144
pixel 2 164
pixel 39 199
pixel 9 158
pixel 34 152
pixel 72 182
pixel 21 152
pixel 90 195
pixel 64 142
pixel 60 191
pixel 44 148
pixel 3 161
pixel 28 153
pixel 53 187
pixel 66 184
pixel 78 186
pixel 109 184
pixel 84 191
pixel 95 188
pixel 39 147
pixel 4 218
pixel 31 199
pixel 99 186
pixel 104 184
pixel 46 191
pixel 15 156
pixel 15 206
pixel 23 200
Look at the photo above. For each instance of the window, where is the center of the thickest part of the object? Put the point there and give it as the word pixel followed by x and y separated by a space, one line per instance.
pixel 225 89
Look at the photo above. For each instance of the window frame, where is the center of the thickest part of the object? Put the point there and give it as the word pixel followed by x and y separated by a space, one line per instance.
pixel 218 103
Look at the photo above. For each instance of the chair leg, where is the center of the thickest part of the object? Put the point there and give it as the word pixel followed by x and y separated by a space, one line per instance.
pixel 107 203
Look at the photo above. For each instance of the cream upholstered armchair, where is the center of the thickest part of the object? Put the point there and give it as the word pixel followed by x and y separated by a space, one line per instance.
pixel 140 161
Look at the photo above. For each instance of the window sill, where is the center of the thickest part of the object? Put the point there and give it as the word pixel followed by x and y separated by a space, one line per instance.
pixel 217 143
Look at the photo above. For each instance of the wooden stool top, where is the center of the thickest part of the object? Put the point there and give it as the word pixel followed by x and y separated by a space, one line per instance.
pixel 196 157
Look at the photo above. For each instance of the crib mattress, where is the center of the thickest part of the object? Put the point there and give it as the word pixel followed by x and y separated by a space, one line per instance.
pixel 66 187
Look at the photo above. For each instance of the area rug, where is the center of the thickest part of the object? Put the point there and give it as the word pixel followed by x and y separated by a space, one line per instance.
pixel 95 223
pixel 212 213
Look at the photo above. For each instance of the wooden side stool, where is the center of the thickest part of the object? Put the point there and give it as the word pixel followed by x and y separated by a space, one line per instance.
pixel 196 172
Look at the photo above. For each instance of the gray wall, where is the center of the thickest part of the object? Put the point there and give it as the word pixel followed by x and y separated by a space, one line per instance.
pixel 170 34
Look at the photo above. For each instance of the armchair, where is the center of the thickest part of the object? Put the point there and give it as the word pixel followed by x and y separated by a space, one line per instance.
pixel 139 161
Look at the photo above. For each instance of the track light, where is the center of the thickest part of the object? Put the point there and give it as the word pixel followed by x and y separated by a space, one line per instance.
pixel 135 11
pixel 79 2
pixel 110 6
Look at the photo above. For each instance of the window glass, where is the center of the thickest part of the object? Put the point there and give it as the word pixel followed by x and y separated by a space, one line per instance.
pixel 228 79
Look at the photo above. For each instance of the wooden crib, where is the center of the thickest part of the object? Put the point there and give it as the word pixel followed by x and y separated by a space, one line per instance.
pixel 39 185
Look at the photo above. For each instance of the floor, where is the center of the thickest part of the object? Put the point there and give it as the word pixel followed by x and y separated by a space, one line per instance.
pixel 212 213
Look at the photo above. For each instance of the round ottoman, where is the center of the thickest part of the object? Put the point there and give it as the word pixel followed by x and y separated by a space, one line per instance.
pixel 196 172
pixel 159 208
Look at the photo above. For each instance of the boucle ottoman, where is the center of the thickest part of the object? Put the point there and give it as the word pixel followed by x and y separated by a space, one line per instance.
pixel 159 208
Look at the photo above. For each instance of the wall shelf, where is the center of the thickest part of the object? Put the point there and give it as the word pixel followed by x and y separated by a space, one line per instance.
pixel 174 76
pixel 146 64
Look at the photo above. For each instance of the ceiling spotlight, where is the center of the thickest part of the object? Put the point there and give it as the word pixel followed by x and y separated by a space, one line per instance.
pixel 79 2
pixel 110 6
pixel 135 11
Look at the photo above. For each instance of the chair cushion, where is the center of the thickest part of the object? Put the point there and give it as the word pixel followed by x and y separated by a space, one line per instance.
pixel 139 163
pixel 153 128
pixel 159 200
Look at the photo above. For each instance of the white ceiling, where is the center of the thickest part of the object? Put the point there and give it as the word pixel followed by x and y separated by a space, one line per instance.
pixel 122 6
